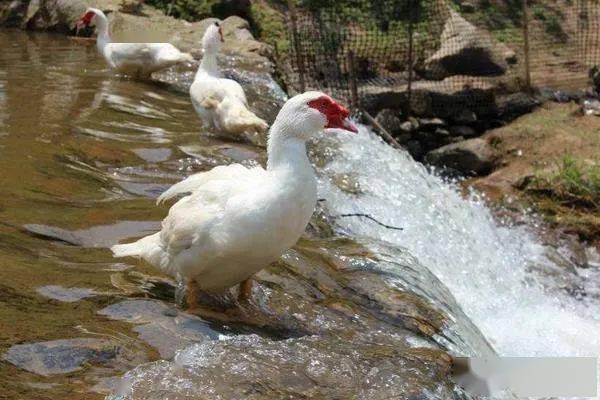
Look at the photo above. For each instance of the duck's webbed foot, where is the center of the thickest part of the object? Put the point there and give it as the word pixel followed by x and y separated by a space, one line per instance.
pixel 200 301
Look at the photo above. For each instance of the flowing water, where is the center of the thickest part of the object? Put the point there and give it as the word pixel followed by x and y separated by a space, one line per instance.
pixel 83 155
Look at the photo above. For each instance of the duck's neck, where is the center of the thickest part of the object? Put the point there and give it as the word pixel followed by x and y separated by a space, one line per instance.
pixel 287 153
pixel 103 33
pixel 209 64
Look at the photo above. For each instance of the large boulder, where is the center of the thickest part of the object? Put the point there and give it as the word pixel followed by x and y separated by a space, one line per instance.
pixel 471 157
pixel 467 50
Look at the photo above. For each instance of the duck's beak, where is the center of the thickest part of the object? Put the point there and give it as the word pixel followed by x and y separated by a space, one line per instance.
pixel 349 126
pixel 339 118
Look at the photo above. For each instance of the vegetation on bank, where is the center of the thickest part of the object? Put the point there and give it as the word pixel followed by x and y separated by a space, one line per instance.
pixel 550 159
pixel 569 196
pixel 574 183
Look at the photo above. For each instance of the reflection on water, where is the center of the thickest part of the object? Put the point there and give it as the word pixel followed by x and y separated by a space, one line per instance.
pixel 82 155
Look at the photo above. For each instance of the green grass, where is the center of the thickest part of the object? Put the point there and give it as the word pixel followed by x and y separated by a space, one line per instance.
pixel 574 183
pixel 268 22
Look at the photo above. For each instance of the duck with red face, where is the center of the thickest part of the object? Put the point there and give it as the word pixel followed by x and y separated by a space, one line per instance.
pixel 233 220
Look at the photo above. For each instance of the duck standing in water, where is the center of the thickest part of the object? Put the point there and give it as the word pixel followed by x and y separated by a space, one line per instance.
pixel 233 220
pixel 139 60
pixel 220 102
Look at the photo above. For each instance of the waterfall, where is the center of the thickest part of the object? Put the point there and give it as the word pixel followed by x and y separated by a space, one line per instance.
pixel 491 267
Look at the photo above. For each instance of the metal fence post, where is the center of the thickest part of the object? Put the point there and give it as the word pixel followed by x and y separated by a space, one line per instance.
pixel 411 13
pixel 353 82
pixel 297 50
pixel 526 45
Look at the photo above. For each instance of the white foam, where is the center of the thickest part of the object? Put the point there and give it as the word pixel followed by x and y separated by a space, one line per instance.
pixel 483 263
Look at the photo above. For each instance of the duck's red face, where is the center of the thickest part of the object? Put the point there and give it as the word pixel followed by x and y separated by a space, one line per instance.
pixel 85 20
pixel 336 114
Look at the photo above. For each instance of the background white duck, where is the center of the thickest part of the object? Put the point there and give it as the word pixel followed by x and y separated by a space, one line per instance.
pixel 220 102
pixel 235 220
pixel 134 59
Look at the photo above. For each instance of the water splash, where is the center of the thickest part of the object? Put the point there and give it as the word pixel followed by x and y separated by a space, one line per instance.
pixel 485 264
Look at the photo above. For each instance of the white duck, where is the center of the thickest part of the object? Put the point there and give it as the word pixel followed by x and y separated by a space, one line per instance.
pixel 220 102
pixel 134 59
pixel 235 220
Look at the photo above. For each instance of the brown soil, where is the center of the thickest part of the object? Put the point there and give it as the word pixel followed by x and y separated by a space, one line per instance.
pixel 534 144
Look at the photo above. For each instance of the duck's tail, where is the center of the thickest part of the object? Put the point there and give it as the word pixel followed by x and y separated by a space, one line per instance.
pixel 237 118
pixel 147 248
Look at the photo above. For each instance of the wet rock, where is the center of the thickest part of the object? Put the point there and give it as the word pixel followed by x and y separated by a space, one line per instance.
pixel 161 326
pixel 390 120
pixel 332 327
pixel 61 356
pixel 407 127
pixel 67 295
pixel 463 130
pixel 415 149
pixel 442 133
pixel 431 123
pixel 465 117
pixel 254 368
pixel 403 138
pixel 474 156
pixel 466 50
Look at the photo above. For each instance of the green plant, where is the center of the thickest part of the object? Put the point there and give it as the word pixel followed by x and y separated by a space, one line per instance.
pixel 574 183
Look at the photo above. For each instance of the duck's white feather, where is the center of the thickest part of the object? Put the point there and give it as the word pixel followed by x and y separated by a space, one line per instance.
pixel 220 102
pixel 137 59
pixel 234 220
pixel 143 59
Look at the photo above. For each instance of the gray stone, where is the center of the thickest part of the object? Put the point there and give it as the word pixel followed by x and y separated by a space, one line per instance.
pixel 465 116
pixel 160 325
pixel 431 123
pixel 415 149
pixel 467 50
pixel 61 356
pixel 403 138
pixel 407 127
pixel 389 120
pixel 441 132
pixel 463 130
pixel 474 156
pixel 467 7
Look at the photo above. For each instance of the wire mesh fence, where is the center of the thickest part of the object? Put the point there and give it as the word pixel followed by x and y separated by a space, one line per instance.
pixel 410 51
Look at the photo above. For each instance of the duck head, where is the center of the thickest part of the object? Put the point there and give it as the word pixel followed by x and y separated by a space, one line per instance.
pixel 212 39
pixel 310 114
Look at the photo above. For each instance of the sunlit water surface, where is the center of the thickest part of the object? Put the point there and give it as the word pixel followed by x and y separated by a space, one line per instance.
pixel 83 155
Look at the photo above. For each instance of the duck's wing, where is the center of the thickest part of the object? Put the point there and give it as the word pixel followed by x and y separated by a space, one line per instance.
pixel 190 219
pixel 130 53
pixel 221 176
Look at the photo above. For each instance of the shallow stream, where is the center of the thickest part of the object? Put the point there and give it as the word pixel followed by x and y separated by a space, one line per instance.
pixel 83 155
